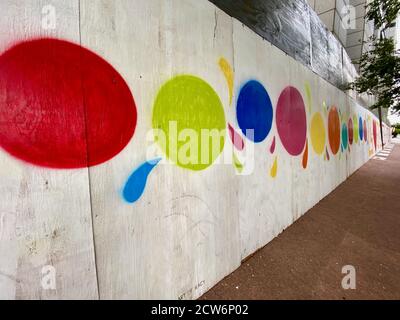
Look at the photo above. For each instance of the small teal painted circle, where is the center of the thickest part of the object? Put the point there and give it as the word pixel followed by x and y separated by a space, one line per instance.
pixel 345 138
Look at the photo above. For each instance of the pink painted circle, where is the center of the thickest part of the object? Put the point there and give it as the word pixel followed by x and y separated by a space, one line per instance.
pixel 291 120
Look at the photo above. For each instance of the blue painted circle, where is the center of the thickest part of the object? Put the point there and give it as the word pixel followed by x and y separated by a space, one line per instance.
pixel 254 110
pixel 360 128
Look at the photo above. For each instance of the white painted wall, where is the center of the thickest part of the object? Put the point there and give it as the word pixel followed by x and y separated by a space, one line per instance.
pixel 189 229
pixel 44 214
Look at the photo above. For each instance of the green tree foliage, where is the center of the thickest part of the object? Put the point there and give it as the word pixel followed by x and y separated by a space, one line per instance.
pixel 383 13
pixel 396 129
pixel 380 74
pixel 380 67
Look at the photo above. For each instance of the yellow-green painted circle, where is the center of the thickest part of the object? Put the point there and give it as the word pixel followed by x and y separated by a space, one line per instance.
pixel 190 114
pixel 318 135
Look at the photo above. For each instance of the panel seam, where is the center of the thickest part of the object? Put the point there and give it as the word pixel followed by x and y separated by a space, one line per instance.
pixel 87 158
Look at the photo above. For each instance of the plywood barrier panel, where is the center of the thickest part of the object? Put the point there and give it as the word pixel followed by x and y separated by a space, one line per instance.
pixel 46 247
pixel 111 188
pixel 182 235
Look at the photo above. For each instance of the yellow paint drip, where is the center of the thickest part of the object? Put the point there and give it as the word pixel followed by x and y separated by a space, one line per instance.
pixel 324 107
pixel 238 165
pixel 274 168
pixel 228 73
pixel 308 94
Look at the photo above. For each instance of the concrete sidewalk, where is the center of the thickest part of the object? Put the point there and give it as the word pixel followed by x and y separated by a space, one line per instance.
pixel 357 224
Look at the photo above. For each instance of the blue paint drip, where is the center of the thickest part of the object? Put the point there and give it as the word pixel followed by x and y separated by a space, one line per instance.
pixel 360 128
pixel 136 183
pixel 254 110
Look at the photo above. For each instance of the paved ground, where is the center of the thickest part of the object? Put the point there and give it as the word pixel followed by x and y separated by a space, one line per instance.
pixel 357 224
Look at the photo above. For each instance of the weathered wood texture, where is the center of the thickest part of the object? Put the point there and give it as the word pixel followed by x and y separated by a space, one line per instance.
pixel 182 236
pixel 190 228
pixel 45 215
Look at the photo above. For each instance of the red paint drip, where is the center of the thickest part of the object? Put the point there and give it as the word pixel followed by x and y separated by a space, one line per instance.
pixel 305 156
pixel 272 148
pixel 62 106
pixel 235 138
pixel 327 154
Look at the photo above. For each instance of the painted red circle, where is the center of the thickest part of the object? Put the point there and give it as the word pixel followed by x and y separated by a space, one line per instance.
pixel 350 126
pixel 62 106
pixel 291 120
pixel 334 129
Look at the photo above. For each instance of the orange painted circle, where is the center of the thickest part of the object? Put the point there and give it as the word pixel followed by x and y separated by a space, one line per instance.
pixel 334 129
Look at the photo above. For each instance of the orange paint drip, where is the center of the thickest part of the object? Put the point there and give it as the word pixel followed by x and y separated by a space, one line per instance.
pixel 305 156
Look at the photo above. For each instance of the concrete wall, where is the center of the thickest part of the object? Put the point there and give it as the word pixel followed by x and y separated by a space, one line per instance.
pixel 300 28
pixel 347 24
pixel 81 213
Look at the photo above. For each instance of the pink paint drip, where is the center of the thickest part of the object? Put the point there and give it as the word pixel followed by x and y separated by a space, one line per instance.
pixel 235 138
pixel 272 148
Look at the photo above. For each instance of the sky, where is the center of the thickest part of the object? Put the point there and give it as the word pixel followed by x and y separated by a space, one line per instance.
pixel 398 32
pixel 393 119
